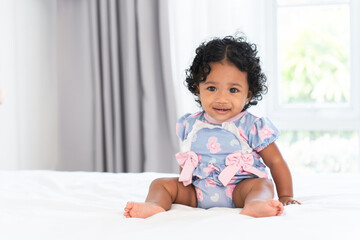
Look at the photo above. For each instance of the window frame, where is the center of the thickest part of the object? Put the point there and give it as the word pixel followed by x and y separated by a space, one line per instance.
pixel 313 117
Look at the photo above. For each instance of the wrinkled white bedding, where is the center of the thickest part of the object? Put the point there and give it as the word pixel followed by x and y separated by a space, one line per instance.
pixel 80 205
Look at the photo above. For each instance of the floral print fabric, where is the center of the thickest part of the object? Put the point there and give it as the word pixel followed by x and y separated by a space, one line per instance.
pixel 213 145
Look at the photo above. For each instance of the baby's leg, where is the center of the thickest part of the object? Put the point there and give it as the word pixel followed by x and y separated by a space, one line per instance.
pixel 255 196
pixel 162 194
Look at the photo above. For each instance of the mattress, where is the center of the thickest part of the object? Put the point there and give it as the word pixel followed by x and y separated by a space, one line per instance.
pixel 89 205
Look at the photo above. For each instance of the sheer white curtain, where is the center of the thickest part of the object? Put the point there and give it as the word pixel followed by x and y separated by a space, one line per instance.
pixel 196 21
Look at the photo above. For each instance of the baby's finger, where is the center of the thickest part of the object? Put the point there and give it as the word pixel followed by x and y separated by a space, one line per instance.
pixel 295 202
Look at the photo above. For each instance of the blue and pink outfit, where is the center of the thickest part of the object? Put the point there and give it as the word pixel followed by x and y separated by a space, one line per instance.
pixel 215 156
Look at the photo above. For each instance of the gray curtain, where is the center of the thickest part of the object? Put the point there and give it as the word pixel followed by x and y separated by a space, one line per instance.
pixel 128 123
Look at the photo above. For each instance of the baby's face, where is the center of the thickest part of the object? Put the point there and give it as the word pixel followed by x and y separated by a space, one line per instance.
pixel 225 92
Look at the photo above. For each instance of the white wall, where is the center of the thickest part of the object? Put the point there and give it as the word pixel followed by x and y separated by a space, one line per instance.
pixel 28 116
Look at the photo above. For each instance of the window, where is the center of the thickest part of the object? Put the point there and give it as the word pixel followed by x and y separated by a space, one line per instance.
pixel 314 92
pixel 315 55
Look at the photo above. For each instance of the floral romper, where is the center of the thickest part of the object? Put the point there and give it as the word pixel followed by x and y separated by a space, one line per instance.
pixel 216 156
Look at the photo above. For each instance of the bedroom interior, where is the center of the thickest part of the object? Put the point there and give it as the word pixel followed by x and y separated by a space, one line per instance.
pixel 90 92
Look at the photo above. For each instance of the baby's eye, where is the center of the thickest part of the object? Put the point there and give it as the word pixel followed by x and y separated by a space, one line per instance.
pixel 233 90
pixel 212 89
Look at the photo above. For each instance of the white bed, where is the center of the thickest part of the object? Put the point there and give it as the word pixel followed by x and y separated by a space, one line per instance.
pixel 79 205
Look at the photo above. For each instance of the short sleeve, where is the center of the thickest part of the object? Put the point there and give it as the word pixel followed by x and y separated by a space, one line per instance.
pixel 262 133
pixel 182 127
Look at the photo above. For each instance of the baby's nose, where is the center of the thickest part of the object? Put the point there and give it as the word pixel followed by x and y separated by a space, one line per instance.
pixel 222 97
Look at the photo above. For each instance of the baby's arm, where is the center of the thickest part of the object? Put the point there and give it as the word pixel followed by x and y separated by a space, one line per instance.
pixel 280 173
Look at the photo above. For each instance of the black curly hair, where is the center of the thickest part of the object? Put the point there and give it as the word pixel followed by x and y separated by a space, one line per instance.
pixel 235 50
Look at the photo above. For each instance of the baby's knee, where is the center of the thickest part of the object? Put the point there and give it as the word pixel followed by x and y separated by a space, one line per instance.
pixel 265 182
pixel 164 182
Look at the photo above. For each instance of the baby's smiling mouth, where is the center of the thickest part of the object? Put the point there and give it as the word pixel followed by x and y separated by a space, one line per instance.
pixel 222 110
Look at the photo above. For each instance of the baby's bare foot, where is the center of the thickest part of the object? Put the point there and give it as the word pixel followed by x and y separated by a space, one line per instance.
pixel 141 210
pixel 263 208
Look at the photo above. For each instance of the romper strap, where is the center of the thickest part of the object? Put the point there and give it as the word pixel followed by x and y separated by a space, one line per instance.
pixel 198 125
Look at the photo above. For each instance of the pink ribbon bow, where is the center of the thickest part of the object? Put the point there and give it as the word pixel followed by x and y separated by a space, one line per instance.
pixel 238 161
pixel 188 161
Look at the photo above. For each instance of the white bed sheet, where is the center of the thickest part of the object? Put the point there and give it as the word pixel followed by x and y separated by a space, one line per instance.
pixel 82 205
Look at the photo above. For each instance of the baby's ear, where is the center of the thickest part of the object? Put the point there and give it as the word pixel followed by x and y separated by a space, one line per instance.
pixel 198 95
pixel 249 96
pixel 197 89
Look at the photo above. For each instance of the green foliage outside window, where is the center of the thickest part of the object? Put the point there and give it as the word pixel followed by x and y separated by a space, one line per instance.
pixel 315 64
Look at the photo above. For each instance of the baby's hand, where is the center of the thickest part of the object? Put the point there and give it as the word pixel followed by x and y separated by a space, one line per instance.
pixel 288 200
